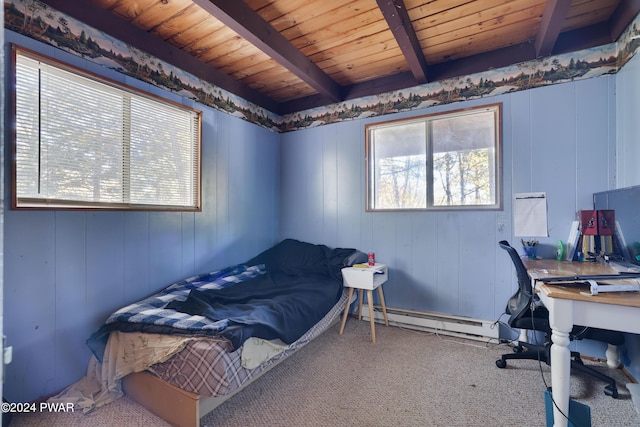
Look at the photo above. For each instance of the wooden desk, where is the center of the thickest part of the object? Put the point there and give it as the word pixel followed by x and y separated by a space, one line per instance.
pixel 567 307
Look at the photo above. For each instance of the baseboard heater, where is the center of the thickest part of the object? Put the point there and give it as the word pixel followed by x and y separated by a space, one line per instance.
pixel 442 323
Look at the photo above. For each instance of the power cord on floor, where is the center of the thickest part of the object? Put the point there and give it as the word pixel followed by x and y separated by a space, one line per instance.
pixel 466 342
pixel 538 346
pixel 544 381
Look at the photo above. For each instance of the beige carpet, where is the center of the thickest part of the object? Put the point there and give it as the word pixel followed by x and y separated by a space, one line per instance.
pixel 407 378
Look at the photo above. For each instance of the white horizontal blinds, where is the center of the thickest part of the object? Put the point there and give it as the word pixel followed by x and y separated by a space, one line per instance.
pixel 67 141
pixel 81 141
pixel 81 138
pixel 163 153
pixel 27 128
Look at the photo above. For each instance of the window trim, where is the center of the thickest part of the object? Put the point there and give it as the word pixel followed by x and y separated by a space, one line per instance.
pixel 60 204
pixel 498 206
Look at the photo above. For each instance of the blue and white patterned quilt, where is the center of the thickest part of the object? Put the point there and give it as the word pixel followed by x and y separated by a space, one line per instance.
pixel 303 282
pixel 149 314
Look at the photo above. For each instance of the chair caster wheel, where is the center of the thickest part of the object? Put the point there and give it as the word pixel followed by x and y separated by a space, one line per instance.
pixel 611 391
pixel 518 349
pixel 500 363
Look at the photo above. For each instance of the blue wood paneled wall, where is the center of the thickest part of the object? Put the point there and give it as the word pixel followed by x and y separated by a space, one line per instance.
pixel 559 139
pixel 627 170
pixel 66 271
pixel 627 124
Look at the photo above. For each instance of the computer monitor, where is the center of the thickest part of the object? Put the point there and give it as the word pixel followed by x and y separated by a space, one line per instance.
pixel 626 203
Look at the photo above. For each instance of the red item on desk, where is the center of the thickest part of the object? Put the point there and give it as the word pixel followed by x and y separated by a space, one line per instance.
pixel 598 223
pixel 589 222
pixel 606 222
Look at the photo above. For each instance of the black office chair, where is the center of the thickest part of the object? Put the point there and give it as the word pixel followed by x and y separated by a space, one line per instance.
pixel 526 314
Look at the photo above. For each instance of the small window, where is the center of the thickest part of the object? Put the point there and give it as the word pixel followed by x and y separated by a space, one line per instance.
pixel 81 141
pixel 440 161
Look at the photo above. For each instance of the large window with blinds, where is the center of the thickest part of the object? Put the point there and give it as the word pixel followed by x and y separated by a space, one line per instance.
pixel 81 141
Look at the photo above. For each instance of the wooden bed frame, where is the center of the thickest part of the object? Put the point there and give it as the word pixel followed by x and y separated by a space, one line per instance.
pixel 178 407
pixel 181 408
pixel 174 405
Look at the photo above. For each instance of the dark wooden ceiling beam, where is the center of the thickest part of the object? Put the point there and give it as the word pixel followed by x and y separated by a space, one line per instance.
pixel 372 87
pixel 112 24
pixel 395 13
pixel 555 13
pixel 252 27
pixel 385 84
pixel 583 38
pixel 491 60
pixel 620 19
pixel 570 41
pixel 459 67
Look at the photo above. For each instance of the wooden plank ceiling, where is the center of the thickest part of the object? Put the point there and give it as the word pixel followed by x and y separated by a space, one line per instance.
pixel 290 55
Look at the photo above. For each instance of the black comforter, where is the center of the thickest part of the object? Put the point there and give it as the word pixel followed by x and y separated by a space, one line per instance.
pixel 270 306
pixel 303 282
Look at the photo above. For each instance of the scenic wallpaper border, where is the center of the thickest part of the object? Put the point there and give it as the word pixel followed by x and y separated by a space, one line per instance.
pixel 40 22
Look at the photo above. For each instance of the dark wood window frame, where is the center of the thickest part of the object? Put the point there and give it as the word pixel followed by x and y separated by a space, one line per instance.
pixel 82 141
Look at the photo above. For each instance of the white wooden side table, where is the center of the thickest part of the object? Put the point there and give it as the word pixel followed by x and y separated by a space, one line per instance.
pixel 365 279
